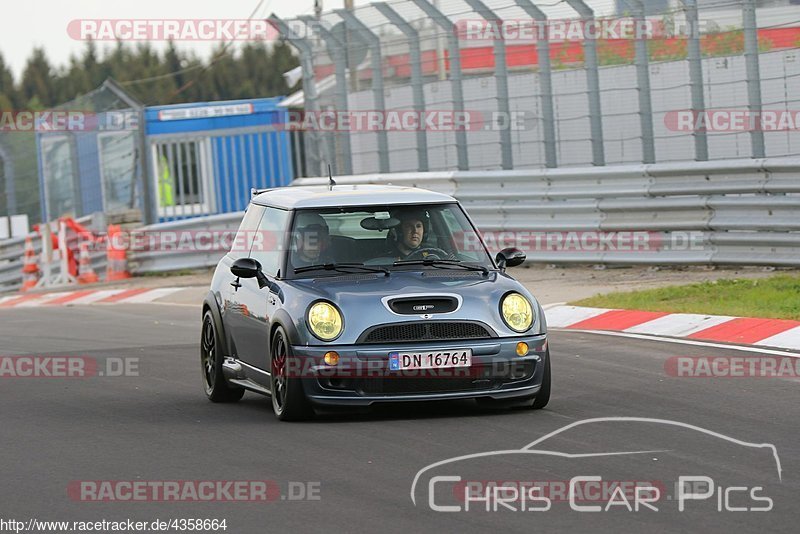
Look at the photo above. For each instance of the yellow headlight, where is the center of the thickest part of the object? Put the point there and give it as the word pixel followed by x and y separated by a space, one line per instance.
pixel 325 321
pixel 517 312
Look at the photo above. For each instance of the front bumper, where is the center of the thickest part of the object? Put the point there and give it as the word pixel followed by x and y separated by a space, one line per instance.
pixel 363 378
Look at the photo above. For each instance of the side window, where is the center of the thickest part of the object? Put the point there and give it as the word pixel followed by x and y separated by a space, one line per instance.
pixel 268 243
pixel 461 238
pixel 247 230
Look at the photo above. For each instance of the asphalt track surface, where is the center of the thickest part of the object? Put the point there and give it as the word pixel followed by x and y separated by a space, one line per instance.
pixel 158 426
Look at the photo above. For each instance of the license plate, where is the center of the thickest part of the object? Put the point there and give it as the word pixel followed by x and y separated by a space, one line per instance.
pixel 436 359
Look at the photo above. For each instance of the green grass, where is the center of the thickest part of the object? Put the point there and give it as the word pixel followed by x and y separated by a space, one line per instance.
pixel 775 297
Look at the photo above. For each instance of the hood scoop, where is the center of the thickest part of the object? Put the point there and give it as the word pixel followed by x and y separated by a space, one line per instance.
pixel 420 305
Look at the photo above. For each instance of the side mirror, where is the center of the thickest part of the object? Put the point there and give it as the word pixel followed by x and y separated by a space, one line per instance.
pixel 246 268
pixel 249 268
pixel 509 257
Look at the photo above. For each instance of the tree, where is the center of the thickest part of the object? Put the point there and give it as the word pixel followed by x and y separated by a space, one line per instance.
pixel 5 103
pixel 72 81
pixel 93 67
pixel 172 77
pixel 7 89
pixel 283 60
pixel 37 79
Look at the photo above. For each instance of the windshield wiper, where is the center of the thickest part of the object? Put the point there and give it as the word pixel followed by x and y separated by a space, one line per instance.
pixel 444 264
pixel 340 267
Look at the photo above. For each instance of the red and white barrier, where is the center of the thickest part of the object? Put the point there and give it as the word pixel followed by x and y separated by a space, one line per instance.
pixel 30 266
pixel 116 255
pixel 779 333
pixel 86 297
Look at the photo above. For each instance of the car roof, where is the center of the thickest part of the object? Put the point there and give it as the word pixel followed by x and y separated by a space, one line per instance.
pixel 347 195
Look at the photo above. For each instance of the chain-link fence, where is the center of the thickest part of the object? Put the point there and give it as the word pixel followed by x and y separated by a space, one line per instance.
pixel 547 84
pixel 77 159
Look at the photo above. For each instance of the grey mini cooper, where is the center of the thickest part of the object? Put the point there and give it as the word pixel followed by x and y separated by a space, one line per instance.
pixel 356 295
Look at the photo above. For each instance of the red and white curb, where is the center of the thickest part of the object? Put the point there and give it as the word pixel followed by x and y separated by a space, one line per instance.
pixel 778 333
pixel 86 296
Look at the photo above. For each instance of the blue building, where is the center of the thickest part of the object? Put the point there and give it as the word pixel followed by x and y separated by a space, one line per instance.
pixel 199 159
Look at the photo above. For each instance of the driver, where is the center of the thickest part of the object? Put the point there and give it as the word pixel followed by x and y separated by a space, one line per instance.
pixel 311 240
pixel 411 235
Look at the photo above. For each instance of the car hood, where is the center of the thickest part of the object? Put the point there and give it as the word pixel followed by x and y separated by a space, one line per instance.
pixel 360 297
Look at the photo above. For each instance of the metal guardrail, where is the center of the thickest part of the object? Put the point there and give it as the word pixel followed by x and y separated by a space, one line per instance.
pixel 139 262
pixel 736 212
pixel 164 261
pixel 12 255
pixel 11 262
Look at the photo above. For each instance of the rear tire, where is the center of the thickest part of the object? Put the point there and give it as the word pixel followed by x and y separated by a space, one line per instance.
pixel 289 401
pixel 214 383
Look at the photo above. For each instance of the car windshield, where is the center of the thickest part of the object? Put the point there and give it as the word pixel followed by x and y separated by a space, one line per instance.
pixel 391 237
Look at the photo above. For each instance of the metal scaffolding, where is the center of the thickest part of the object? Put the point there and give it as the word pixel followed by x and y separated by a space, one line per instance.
pixel 336 49
pixel 500 77
pixel 315 153
pixel 379 100
pixel 415 55
pixel 590 100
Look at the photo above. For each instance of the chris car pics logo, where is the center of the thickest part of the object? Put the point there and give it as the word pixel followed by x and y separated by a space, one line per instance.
pixel 446 486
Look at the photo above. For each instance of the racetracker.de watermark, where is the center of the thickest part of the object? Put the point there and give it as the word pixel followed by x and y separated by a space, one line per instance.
pixel 528 29
pixel 531 241
pixel 400 367
pixel 41 366
pixel 168 241
pixel 732 120
pixel 193 491
pixel 494 492
pixel 561 30
pixel 405 120
pixel 171 30
pixel 733 367
pixel 66 121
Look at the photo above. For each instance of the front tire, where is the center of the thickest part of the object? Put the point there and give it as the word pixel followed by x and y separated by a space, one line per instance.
pixel 537 402
pixel 543 397
pixel 214 383
pixel 289 401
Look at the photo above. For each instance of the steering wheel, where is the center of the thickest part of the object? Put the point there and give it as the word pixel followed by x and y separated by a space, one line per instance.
pixel 433 253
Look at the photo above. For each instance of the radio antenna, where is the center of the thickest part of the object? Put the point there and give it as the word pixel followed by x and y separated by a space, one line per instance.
pixel 331 181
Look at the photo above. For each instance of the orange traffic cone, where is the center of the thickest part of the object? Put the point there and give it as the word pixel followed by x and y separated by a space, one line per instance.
pixel 117 256
pixel 87 274
pixel 30 266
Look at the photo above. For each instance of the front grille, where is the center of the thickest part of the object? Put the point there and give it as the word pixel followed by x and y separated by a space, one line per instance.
pixel 419 305
pixel 425 331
